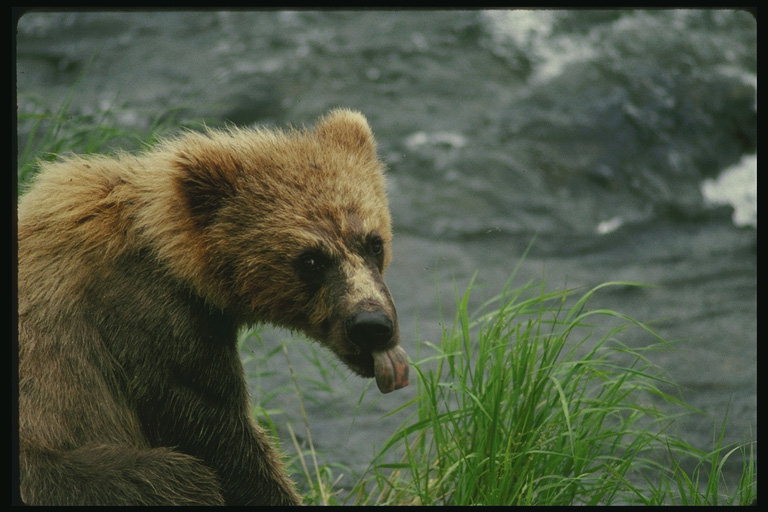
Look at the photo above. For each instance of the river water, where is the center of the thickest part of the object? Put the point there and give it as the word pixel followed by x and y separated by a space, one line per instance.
pixel 623 141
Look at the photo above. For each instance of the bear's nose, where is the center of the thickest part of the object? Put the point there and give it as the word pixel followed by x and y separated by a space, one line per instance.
pixel 370 330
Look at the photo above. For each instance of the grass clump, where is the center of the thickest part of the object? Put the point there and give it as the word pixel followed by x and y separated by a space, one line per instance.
pixel 536 403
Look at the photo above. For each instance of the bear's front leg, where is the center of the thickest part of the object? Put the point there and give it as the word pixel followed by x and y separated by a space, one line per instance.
pixel 204 411
pixel 250 470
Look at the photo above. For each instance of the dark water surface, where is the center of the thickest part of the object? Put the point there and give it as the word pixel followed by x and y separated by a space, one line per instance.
pixel 624 141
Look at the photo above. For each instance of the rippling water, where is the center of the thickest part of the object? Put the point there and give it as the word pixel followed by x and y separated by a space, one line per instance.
pixel 625 141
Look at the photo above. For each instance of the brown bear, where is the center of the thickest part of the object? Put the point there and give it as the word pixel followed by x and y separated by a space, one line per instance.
pixel 135 274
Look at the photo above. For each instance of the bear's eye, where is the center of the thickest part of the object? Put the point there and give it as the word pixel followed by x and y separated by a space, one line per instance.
pixel 312 262
pixel 376 245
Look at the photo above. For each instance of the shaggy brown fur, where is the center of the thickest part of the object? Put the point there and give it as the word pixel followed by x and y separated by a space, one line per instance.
pixel 135 274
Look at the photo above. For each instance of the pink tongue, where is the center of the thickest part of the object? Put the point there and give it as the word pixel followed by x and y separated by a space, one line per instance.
pixel 391 369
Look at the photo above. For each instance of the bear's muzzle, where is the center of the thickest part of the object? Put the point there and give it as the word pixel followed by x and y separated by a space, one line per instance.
pixel 370 330
pixel 374 332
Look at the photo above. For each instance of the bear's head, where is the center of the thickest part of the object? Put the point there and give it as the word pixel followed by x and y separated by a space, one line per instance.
pixel 295 230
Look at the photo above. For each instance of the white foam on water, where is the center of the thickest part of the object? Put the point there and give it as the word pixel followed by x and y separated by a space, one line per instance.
pixel 736 186
pixel 451 139
pixel 530 31
pixel 609 226
pixel 521 26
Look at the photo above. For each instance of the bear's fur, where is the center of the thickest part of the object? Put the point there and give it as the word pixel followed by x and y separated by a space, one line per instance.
pixel 135 274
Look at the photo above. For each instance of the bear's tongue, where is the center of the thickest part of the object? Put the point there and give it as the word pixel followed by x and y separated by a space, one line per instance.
pixel 391 369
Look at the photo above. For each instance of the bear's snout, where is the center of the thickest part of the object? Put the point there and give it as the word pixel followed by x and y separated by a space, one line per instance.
pixel 370 330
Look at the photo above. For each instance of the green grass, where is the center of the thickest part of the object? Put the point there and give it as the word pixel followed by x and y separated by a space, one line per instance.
pixel 533 398
pixel 53 131
pixel 530 401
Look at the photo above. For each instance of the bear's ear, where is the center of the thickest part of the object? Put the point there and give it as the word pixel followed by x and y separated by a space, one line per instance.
pixel 205 182
pixel 347 128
